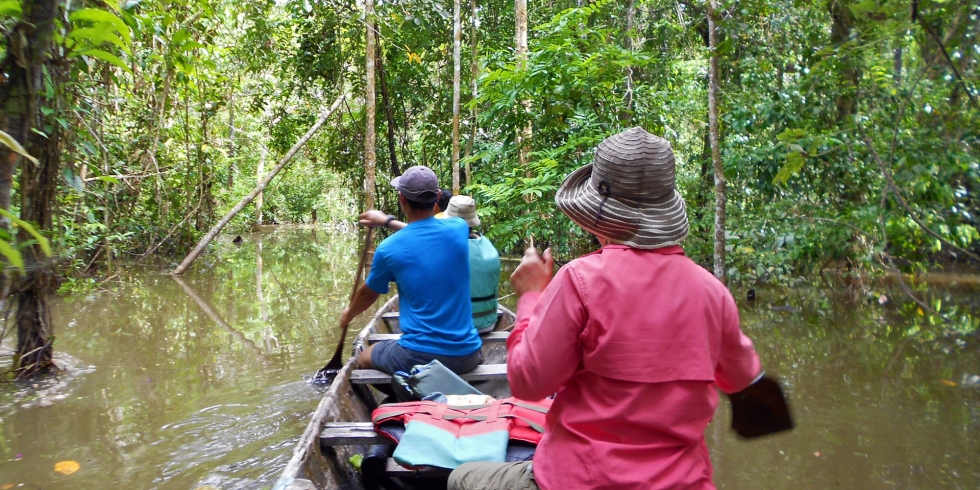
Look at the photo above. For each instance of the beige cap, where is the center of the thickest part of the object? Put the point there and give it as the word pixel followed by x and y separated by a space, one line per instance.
pixel 463 207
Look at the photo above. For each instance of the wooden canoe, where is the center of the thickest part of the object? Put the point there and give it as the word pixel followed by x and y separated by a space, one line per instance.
pixel 339 427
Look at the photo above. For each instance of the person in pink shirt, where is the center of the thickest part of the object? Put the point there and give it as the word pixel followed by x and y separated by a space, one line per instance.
pixel 632 340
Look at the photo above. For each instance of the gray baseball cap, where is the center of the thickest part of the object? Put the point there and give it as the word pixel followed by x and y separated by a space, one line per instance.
pixel 419 184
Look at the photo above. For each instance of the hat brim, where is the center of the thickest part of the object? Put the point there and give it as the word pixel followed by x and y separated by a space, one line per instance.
pixel 649 224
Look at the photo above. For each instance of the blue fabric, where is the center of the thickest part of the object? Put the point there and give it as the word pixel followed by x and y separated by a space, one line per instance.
pixel 429 261
pixel 426 445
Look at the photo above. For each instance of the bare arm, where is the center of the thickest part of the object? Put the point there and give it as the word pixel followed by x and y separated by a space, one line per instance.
pixel 377 219
pixel 363 299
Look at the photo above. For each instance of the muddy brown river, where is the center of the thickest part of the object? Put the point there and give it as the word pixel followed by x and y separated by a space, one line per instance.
pixel 198 383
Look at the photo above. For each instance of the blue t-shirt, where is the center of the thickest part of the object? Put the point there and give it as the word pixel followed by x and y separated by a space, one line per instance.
pixel 429 261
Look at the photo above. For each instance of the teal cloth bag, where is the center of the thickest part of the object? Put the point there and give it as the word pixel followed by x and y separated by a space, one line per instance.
pixel 448 437
pixel 423 380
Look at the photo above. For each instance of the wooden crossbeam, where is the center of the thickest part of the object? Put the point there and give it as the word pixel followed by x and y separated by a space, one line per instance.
pixel 482 372
pixel 490 337
pixel 350 434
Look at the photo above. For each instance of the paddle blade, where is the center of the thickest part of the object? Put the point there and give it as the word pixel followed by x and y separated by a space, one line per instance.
pixel 337 361
pixel 760 409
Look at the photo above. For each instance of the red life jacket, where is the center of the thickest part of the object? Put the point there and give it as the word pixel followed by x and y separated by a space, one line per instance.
pixel 523 420
pixel 435 434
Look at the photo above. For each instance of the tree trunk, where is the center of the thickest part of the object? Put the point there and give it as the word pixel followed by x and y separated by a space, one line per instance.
pixel 840 31
pixel 21 90
pixel 524 134
pixel 713 89
pixel 231 139
pixel 370 155
pixel 259 175
pixel 626 113
pixel 474 76
pixel 38 184
pixel 389 117
pixel 261 187
pixel 457 41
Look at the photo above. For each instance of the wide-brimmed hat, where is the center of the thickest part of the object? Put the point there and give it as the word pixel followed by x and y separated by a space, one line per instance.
pixel 419 184
pixel 463 207
pixel 628 193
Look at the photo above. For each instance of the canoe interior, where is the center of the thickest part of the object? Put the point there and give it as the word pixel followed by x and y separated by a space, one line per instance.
pixel 314 468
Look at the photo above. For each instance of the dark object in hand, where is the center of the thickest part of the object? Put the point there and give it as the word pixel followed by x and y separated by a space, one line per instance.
pixel 760 409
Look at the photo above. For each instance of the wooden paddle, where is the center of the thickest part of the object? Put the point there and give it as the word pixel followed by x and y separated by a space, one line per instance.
pixel 336 362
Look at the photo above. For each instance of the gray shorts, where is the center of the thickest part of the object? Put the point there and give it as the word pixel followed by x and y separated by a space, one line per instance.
pixel 390 356
pixel 493 476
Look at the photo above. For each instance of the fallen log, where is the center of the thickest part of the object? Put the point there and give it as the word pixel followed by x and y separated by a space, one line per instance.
pixel 206 239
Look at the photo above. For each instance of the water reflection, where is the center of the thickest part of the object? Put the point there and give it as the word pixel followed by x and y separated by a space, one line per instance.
pixel 198 381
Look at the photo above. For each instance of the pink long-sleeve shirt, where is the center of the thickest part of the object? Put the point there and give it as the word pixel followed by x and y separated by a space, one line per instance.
pixel 634 342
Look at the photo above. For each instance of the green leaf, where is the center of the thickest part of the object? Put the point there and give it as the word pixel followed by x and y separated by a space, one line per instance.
pixel 107 178
pixel 12 255
pixel 11 143
pixel 97 36
pixel 11 8
pixel 99 16
pixel 43 242
pixel 107 57
pixel 74 181
pixel 794 163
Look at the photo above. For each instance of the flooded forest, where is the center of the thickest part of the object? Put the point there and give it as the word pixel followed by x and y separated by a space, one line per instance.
pixel 180 185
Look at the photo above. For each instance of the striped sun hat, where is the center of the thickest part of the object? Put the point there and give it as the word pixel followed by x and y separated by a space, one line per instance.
pixel 627 193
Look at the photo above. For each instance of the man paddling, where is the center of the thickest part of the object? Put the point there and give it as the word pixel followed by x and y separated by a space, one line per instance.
pixel 429 262
pixel 633 338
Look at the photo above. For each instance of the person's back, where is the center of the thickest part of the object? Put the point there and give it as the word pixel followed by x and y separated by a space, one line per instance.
pixel 429 261
pixel 484 265
pixel 484 282
pixel 651 314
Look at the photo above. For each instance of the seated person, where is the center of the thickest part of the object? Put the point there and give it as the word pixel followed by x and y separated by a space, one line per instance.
pixel 484 265
pixel 443 203
pixel 429 262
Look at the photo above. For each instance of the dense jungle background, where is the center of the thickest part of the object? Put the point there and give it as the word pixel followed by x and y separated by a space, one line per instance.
pixel 848 130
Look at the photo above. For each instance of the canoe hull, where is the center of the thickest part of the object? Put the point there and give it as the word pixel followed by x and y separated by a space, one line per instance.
pixel 314 468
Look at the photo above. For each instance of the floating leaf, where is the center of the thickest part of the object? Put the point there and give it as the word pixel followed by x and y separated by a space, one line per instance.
pixel 947 382
pixel 66 467
pixel 11 143
pixel 356 461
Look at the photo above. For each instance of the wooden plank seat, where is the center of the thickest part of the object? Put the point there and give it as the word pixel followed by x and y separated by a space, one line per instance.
pixel 350 434
pixel 481 373
pixel 488 337
pixel 363 434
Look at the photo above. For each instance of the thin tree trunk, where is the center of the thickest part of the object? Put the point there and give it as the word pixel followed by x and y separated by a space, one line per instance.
pixel 389 117
pixel 457 63
pixel 719 262
pixel 520 40
pixel 626 113
pixel 261 187
pixel 259 175
pixel 370 155
pixel 474 76
pixel 231 139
